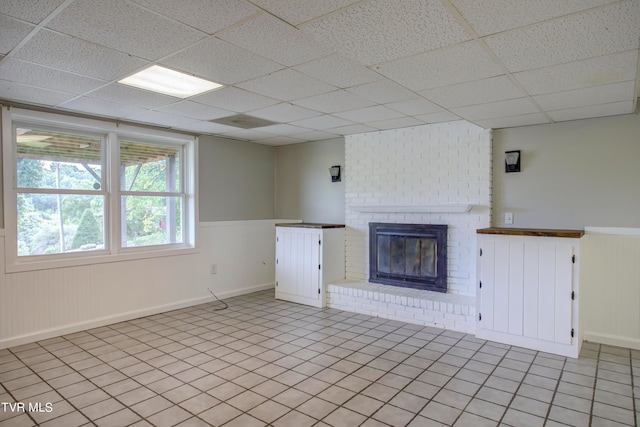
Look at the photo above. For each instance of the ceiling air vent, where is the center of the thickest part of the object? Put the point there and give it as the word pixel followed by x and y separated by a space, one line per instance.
pixel 244 122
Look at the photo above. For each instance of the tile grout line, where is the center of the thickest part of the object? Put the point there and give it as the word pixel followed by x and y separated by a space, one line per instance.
pixel 180 330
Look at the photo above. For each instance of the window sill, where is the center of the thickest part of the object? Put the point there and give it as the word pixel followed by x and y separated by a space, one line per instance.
pixel 18 267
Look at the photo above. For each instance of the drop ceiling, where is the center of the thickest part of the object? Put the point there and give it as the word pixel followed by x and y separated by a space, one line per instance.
pixel 321 69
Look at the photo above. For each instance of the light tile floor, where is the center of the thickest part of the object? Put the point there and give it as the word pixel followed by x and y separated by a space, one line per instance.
pixel 267 362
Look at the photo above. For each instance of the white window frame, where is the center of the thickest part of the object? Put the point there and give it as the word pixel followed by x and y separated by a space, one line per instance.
pixel 121 192
pixel 112 133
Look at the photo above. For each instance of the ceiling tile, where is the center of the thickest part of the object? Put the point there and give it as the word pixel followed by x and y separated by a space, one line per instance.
pixel 195 110
pixel 298 11
pixel 339 71
pixel 334 102
pixel 596 32
pixel 77 56
pixel 160 118
pixel 326 121
pixel 602 110
pixel 12 32
pixel 274 39
pixel 383 30
pixel 580 74
pixel 369 114
pixel 286 85
pixel 47 78
pixel 415 106
pixel 29 10
pixel 441 117
pixel 221 62
pixel 614 92
pixel 100 107
pixel 315 136
pixel 206 127
pixel 209 16
pixel 512 107
pixel 30 94
pixel 367 64
pixel 456 64
pixel 119 25
pixel 283 129
pixel 123 94
pixel 494 16
pixel 383 91
pixel 284 113
pixel 234 99
pixel 507 122
pixel 353 129
pixel 247 134
pixel 493 89
pixel 399 123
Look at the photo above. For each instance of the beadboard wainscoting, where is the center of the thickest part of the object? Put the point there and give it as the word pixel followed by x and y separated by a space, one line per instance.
pixel 40 304
pixel 610 283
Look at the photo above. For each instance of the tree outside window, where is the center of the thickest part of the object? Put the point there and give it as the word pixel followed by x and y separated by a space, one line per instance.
pixel 84 189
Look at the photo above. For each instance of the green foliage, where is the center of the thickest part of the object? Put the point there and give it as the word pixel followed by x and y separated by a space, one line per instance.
pixel 29 173
pixel 157 238
pixel 39 219
pixel 88 231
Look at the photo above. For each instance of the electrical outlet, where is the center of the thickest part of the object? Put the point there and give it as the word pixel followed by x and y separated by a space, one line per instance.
pixel 214 268
pixel 508 218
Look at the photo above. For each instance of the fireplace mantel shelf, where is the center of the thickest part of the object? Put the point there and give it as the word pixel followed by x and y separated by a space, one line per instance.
pixel 457 208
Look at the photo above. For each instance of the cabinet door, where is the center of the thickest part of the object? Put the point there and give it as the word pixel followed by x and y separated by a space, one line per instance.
pixel 298 265
pixel 526 289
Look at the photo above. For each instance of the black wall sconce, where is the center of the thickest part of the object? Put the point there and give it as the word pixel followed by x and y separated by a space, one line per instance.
pixel 335 173
pixel 512 161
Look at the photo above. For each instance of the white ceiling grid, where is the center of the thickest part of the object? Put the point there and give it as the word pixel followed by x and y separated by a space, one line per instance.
pixel 322 69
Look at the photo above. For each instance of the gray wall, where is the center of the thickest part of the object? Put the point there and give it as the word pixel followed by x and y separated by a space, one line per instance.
pixel 574 174
pixel 303 185
pixel 236 180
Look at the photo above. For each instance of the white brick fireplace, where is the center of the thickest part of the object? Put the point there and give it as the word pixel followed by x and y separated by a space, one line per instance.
pixel 433 174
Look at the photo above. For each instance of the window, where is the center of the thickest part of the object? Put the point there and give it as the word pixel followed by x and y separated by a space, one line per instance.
pixel 80 189
pixel 59 191
pixel 151 194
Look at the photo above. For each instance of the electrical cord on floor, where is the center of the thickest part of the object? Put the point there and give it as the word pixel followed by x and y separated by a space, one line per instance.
pixel 219 300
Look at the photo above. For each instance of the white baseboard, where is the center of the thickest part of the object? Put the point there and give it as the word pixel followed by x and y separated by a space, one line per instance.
pixel 614 340
pixel 243 291
pixel 122 317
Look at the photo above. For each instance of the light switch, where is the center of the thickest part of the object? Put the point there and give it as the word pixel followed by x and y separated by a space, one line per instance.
pixel 508 218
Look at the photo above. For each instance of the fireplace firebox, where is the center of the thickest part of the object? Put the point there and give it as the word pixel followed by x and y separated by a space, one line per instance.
pixel 408 255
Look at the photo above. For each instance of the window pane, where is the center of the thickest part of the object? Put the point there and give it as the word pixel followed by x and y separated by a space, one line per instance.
pixel 151 220
pixel 57 223
pixel 47 159
pixel 147 167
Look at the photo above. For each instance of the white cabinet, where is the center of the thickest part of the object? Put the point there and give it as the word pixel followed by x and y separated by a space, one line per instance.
pixel 308 257
pixel 528 289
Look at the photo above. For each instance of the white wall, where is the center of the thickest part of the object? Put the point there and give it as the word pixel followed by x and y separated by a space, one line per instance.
pixel 236 180
pixel 303 186
pixel 46 303
pixel 574 174
pixel 442 164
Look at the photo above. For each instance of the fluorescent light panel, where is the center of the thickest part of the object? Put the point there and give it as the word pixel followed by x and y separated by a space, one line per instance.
pixel 169 82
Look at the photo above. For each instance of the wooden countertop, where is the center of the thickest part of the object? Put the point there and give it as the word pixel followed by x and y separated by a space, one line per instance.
pixel 309 225
pixel 540 232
